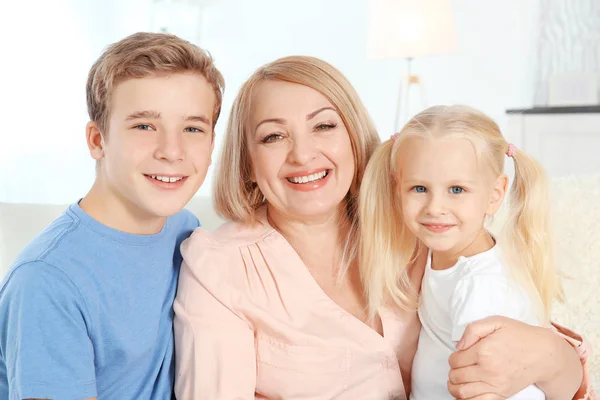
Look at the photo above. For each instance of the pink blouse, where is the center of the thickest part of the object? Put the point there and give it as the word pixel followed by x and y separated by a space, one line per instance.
pixel 251 322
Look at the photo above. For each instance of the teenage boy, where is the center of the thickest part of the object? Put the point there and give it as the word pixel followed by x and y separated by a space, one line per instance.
pixel 86 309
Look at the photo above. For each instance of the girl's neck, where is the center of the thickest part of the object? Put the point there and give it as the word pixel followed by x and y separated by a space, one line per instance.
pixel 482 242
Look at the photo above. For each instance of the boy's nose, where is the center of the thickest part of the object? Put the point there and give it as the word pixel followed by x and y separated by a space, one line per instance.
pixel 170 147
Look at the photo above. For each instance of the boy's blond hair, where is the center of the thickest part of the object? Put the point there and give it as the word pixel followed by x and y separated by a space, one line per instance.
pixel 141 55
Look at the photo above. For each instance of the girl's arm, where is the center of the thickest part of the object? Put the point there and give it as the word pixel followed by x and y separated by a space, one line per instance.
pixel 501 356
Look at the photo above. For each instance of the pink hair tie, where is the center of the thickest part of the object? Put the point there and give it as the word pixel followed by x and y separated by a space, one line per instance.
pixel 512 149
pixel 394 137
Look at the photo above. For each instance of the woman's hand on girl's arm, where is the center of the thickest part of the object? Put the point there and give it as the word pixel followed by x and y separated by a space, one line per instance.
pixel 497 357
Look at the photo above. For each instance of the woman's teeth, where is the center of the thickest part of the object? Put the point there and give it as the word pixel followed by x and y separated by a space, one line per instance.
pixel 309 178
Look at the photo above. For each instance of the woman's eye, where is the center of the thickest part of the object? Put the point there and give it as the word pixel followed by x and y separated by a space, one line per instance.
pixel 420 189
pixel 274 137
pixel 325 127
pixel 456 190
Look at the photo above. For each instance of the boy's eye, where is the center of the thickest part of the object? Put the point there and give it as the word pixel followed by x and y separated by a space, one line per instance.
pixel 456 190
pixel 193 129
pixel 143 127
pixel 420 189
pixel 274 137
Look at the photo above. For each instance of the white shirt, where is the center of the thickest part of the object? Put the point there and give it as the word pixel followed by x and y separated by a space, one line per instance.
pixel 474 288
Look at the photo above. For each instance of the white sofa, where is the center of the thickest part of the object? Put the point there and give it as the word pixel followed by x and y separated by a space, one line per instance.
pixel 576 203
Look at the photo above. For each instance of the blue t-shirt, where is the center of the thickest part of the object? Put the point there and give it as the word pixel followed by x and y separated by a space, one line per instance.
pixel 86 311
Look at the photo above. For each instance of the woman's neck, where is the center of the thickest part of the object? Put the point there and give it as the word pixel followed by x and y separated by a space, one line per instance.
pixel 316 240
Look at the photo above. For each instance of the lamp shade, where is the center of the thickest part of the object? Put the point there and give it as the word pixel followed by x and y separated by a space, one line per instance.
pixel 410 28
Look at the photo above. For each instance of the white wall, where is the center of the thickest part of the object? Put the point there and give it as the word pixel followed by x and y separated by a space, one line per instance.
pixel 48 48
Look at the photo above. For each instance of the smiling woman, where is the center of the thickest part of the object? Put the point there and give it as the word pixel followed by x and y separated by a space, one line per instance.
pixel 270 306
pixel 300 151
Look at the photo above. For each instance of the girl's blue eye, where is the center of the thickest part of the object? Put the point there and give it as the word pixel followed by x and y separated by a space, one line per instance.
pixel 456 190
pixel 143 127
pixel 420 189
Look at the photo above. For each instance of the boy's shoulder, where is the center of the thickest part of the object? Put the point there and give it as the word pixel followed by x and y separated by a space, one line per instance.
pixel 37 279
pixel 70 255
pixel 71 233
pixel 181 226
pixel 36 266
pixel 50 238
pixel 72 241
pixel 184 219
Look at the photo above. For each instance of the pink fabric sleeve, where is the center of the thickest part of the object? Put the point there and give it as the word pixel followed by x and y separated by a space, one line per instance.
pixel 583 348
pixel 215 356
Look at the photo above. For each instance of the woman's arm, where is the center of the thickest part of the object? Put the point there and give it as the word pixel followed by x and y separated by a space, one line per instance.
pixel 500 356
pixel 215 356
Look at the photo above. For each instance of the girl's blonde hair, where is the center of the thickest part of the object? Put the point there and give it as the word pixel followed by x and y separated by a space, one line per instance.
pixel 236 197
pixel 388 246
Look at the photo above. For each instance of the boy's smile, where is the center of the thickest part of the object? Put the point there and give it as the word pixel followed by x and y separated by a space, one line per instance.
pixel 165 181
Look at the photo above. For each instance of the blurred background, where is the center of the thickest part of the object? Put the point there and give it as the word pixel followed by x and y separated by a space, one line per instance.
pixel 538 58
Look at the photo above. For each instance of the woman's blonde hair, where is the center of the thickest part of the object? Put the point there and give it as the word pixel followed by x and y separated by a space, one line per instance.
pixel 236 197
pixel 388 246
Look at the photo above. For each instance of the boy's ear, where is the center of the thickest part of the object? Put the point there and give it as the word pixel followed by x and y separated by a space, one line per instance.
pixel 498 192
pixel 95 140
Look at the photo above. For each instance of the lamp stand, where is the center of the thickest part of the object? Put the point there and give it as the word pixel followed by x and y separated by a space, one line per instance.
pixel 407 81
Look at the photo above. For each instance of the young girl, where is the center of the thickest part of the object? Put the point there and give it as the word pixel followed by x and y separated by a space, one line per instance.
pixel 433 186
